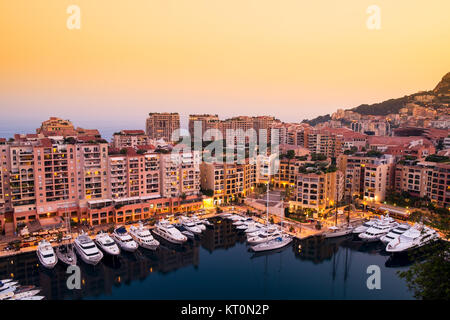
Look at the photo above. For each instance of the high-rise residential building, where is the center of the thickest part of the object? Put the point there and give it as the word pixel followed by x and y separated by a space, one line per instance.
pixel 162 125
pixel 207 121
pixel 180 174
pixel 130 139
pixel 134 175
pixel 425 180
pixel 228 182
pixel 317 190
pixel 370 177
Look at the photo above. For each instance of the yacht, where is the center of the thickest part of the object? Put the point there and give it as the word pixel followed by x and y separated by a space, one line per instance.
pixel 184 231
pixel 199 223
pixel 33 298
pixel 366 225
pixel 206 222
pixel 191 226
pixel 395 233
pixel 46 254
pixel 66 254
pixel 124 240
pixel 5 286
pixel 253 227
pixel 338 231
pixel 87 249
pixel 26 293
pixel 415 237
pixel 263 237
pixel 143 237
pixel 275 243
pixel 168 232
pixel 378 230
pixel 107 244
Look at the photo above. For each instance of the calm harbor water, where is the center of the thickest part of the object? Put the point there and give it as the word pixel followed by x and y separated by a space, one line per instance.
pixel 219 266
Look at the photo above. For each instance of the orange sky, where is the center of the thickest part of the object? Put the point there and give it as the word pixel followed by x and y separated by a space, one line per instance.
pixel 290 58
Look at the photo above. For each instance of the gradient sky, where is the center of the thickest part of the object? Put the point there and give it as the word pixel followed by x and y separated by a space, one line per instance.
pixel 292 59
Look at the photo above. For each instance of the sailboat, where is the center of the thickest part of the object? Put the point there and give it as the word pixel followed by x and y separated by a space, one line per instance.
pixel 66 252
pixel 276 242
pixel 339 231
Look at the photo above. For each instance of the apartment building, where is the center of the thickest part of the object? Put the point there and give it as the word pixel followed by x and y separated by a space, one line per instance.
pixel 130 139
pixel 317 190
pixel 207 122
pixel 370 177
pixel 180 174
pixel 426 180
pixel 162 125
pixel 227 181
pixel 134 175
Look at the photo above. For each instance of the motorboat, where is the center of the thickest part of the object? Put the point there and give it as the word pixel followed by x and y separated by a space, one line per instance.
pixel 366 225
pixel 6 283
pixel 10 288
pixel 395 233
pixel 19 295
pixel 168 232
pixel 415 237
pixel 46 254
pixel 32 298
pixel 143 237
pixel 235 217
pixel 253 227
pixel 190 225
pixel 184 231
pixel 338 231
pixel 273 244
pixel 379 229
pixel 263 237
pixel 124 240
pixel 199 223
pixel 87 249
pixel 66 254
pixel 107 244
pixel 206 222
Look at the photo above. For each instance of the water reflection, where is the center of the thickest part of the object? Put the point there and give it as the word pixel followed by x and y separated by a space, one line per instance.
pixel 114 272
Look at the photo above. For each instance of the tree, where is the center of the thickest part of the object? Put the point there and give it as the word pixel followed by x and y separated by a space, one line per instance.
pixel 290 154
pixel 429 276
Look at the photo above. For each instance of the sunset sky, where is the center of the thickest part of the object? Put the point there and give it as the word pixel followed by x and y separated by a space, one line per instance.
pixel 293 59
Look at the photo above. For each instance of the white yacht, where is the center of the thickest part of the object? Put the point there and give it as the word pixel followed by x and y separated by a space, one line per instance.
pixel 415 237
pixel 24 294
pixel 275 243
pixel 395 233
pixel 7 285
pixel 107 244
pixel 378 230
pixel 168 232
pixel 189 225
pixel 263 236
pixel 33 298
pixel 338 231
pixel 200 224
pixel 87 249
pixel 366 225
pixel 46 254
pixel 143 237
pixel 124 240
pixel 253 227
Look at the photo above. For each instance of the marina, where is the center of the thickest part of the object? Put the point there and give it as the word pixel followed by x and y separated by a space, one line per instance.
pixel 220 264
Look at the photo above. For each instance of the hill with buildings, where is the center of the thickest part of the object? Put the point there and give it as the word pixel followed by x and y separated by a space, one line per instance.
pixel 438 98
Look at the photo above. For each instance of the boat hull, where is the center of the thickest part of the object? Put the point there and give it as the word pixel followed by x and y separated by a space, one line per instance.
pixel 171 240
